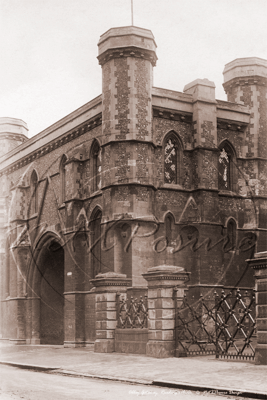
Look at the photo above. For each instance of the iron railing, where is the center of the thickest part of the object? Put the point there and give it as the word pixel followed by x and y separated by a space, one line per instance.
pixel 235 325
pixel 223 325
pixel 195 328
pixel 132 313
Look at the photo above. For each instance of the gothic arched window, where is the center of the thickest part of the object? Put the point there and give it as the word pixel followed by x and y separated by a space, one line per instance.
pixel 172 150
pixel 34 192
pixel 231 233
pixel 62 173
pixel 169 229
pixel 96 166
pixel 95 231
pixel 226 167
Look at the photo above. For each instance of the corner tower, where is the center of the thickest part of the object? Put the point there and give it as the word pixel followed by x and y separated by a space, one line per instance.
pixel 127 56
pixel 245 80
pixel 13 132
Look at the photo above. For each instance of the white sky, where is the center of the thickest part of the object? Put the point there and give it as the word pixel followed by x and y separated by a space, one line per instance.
pixel 48 48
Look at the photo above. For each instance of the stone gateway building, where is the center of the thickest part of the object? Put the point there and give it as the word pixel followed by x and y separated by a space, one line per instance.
pixel 137 178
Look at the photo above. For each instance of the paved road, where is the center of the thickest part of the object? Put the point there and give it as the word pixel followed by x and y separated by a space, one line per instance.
pixel 18 383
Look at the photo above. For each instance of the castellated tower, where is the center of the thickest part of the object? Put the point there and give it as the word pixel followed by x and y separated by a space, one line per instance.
pixel 127 56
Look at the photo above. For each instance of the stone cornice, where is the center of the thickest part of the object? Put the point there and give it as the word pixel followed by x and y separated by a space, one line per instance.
pixel 259 261
pixel 259 266
pixel 172 115
pixel 54 144
pixel 231 125
pixel 245 80
pixel 111 279
pixel 171 95
pixel 233 107
pixel 173 277
pixel 130 51
pixel 13 136
pixel 71 121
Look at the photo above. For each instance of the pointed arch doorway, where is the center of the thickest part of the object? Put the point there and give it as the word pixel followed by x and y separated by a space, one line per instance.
pixel 48 285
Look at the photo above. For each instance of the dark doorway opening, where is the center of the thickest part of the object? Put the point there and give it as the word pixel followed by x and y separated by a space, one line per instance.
pixel 52 296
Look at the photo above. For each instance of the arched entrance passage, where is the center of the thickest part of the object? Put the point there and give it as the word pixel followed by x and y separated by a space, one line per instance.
pixel 48 285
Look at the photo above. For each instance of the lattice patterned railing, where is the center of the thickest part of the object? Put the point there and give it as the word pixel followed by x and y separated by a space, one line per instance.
pixel 131 313
pixel 195 328
pixel 236 325
pixel 223 325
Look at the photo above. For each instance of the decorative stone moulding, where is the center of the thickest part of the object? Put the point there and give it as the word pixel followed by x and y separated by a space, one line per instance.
pixel 110 279
pixel 165 275
pixel 232 126
pixel 57 143
pixel 176 116
pixel 127 52
pixel 259 81
pixel 245 71
pixel 13 128
pixel 127 41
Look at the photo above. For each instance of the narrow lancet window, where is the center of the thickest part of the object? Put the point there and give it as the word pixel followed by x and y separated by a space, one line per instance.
pixel 62 173
pixel 96 170
pixel 171 159
pixel 34 192
pixel 231 233
pixel 225 167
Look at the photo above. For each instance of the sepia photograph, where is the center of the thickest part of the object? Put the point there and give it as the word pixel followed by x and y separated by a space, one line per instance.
pixel 133 199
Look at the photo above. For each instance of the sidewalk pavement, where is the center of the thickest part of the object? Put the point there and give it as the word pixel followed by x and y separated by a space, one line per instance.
pixel 194 373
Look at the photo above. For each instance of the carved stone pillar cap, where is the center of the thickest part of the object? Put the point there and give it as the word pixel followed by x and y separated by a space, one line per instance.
pixel 166 269
pixel 110 275
pixel 262 254
pixel 201 89
pixel 111 279
pixel 165 275
pixel 259 261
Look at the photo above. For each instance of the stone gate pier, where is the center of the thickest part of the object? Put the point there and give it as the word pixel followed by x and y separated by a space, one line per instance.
pixel 259 264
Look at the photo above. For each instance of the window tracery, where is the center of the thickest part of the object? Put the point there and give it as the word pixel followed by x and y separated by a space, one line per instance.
pixel 171 159
pixel 225 167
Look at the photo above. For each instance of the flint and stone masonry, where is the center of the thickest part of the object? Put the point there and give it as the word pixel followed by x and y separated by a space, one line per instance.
pixel 139 177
